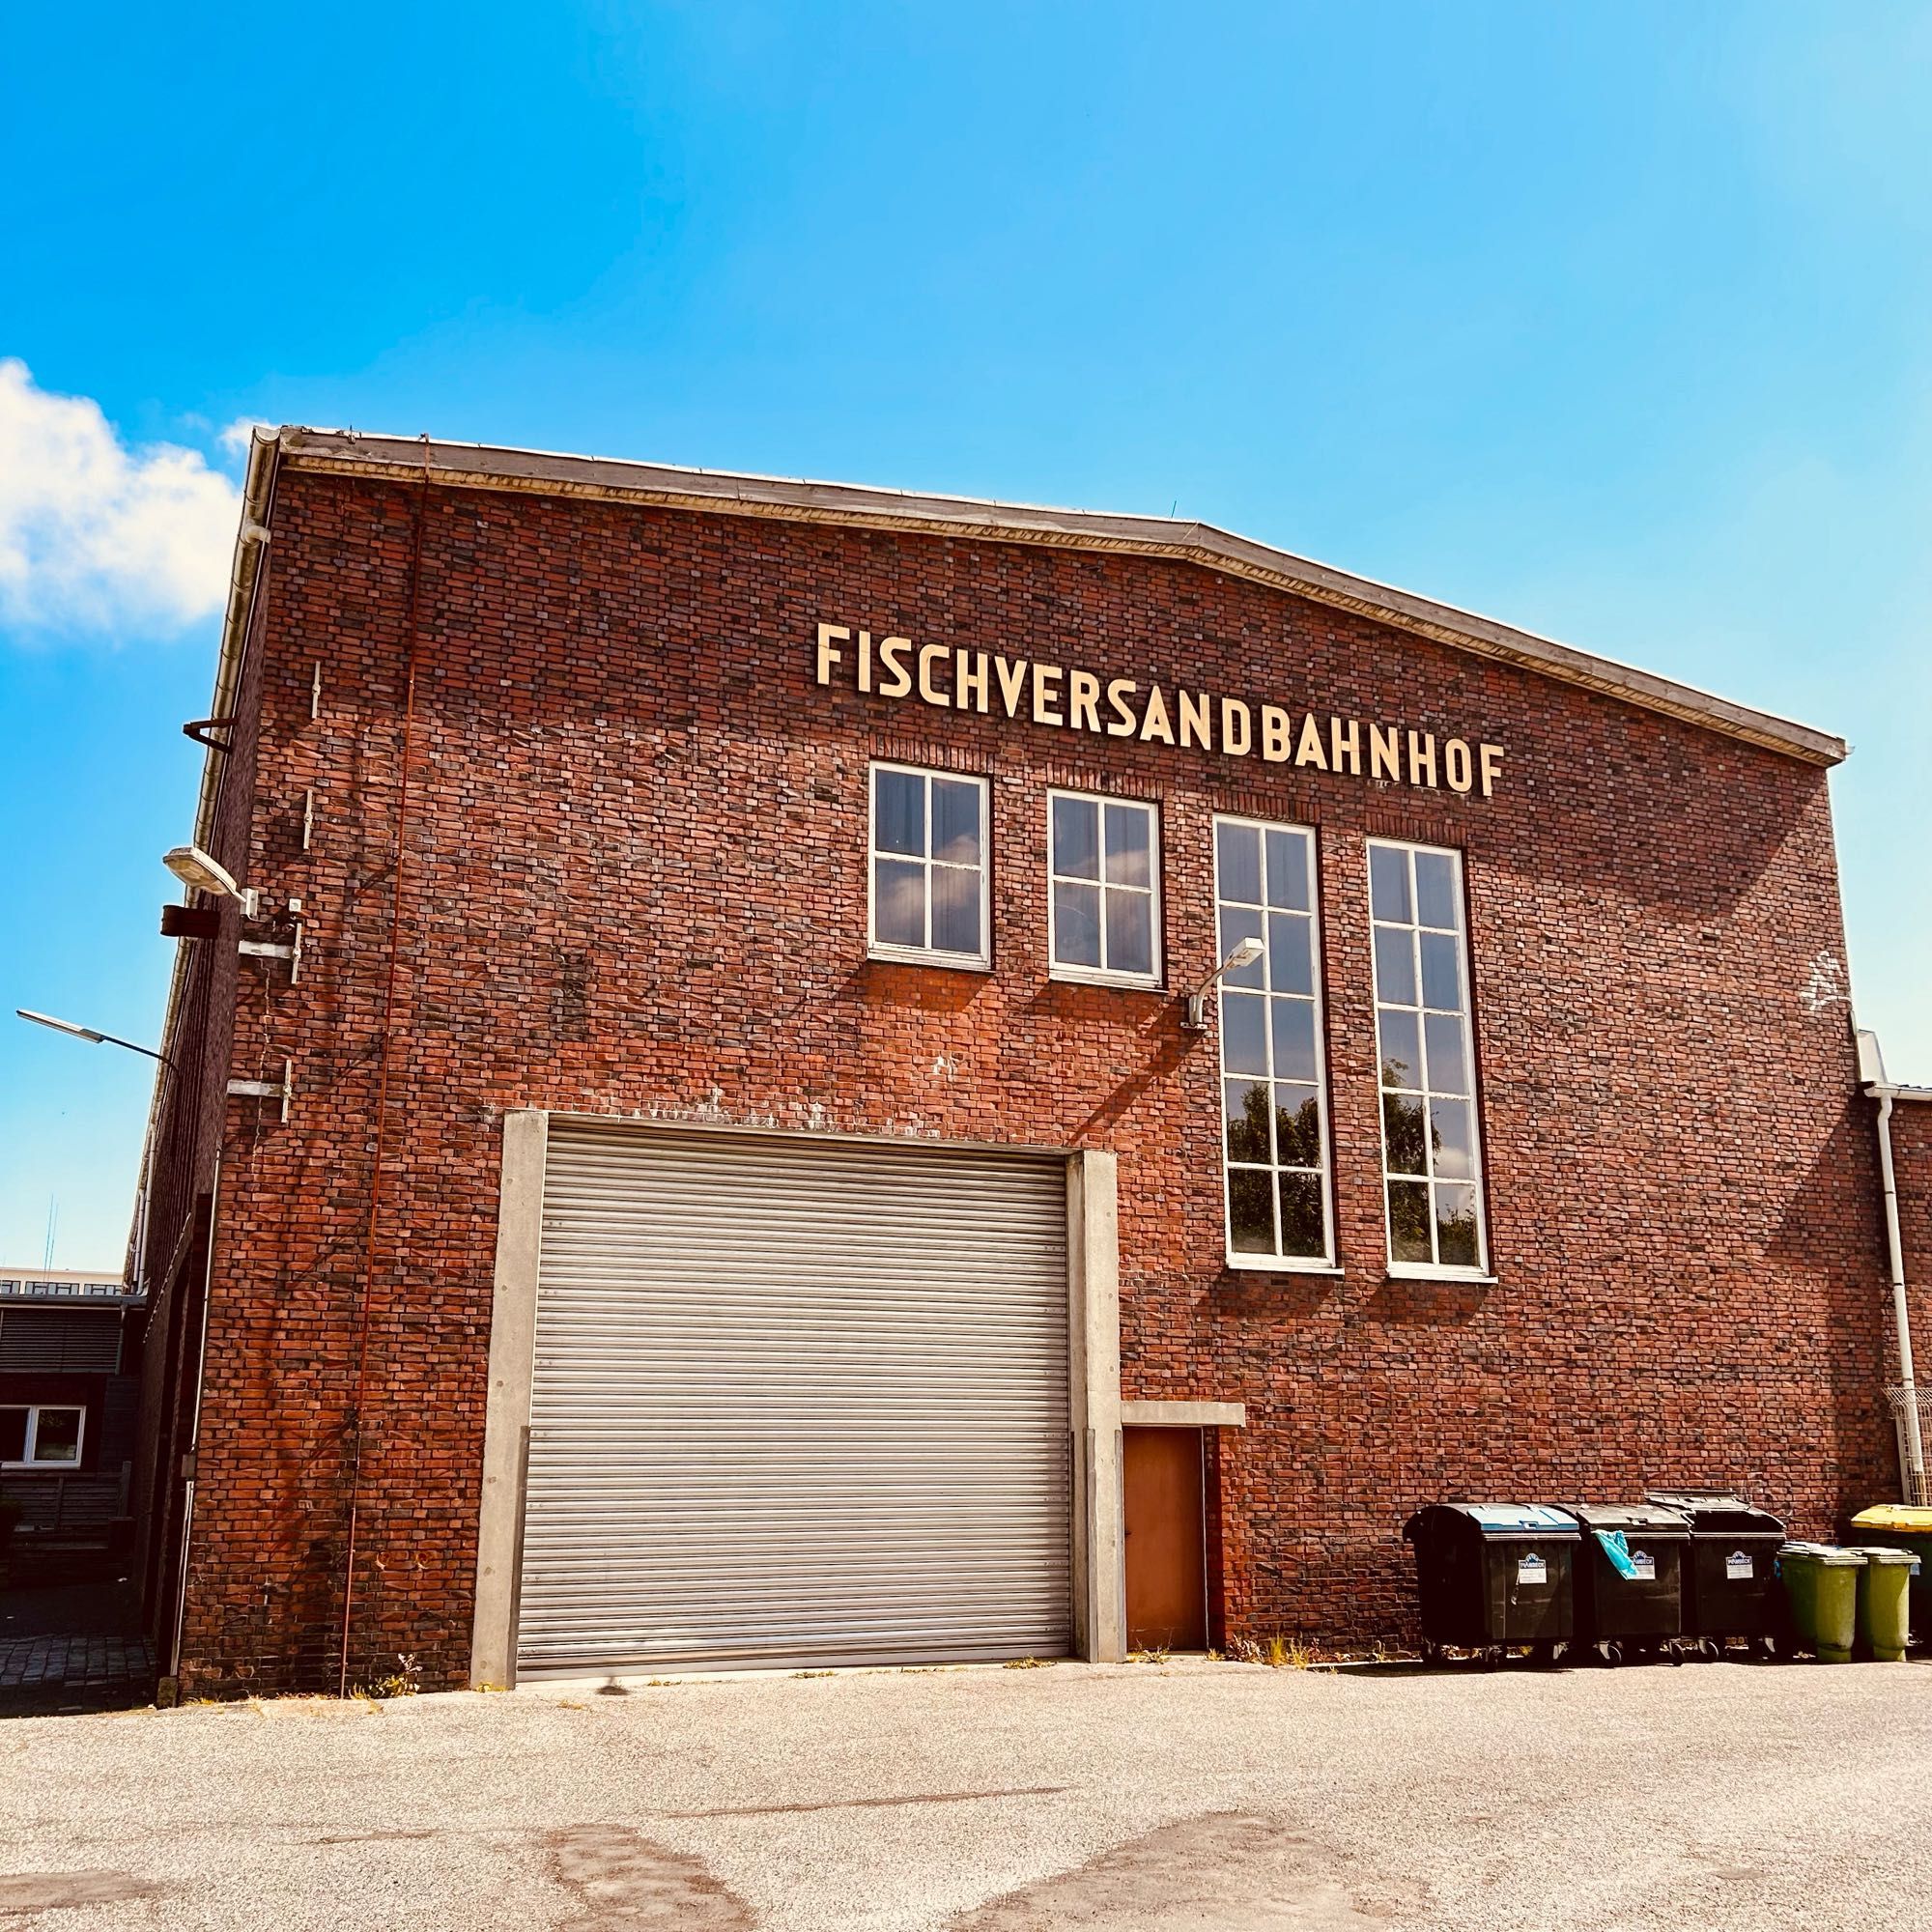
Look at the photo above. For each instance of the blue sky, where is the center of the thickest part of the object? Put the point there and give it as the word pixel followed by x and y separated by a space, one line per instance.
pixel 1612 321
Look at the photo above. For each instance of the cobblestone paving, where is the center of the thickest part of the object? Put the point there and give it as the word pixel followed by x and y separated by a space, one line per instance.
pixel 74 1673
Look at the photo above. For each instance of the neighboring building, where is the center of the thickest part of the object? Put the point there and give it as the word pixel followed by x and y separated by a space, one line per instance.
pixel 702 1156
pixel 70 1380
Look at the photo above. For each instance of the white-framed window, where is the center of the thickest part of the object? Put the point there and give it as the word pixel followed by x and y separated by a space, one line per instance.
pixel 1103 888
pixel 1274 1089
pixel 40 1435
pixel 1432 1138
pixel 928 869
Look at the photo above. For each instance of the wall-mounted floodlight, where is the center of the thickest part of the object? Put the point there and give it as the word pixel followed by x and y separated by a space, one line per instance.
pixel 192 867
pixel 1246 953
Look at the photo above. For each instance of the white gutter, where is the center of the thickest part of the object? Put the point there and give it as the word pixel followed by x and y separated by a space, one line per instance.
pixel 1871 1073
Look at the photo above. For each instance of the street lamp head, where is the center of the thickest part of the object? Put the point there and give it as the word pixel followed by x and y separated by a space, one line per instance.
pixel 192 867
pixel 60 1026
pixel 1244 953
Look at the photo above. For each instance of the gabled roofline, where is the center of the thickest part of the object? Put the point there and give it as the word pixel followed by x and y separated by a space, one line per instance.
pixel 481 467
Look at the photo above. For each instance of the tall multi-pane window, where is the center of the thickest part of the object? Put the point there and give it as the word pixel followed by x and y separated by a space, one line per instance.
pixel 928 862
pixel 1273 1100
pixel 1104 913
pixel 1432 1158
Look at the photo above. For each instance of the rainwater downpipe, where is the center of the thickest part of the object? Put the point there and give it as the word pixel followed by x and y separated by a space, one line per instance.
pixel 1871 1071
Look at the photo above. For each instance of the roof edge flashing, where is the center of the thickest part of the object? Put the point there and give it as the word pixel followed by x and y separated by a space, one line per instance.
pixel 482 466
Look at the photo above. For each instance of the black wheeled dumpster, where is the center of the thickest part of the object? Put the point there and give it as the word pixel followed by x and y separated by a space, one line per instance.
pixel 1630 1579
pixel 1730 1583
pixel 1494 1575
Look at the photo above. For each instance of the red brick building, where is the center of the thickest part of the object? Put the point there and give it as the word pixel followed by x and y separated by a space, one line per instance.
pixel 701 1157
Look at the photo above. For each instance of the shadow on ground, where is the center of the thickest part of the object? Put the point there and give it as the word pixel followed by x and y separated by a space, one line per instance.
pixel 70 1637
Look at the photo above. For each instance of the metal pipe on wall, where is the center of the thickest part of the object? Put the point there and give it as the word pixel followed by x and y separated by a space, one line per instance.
pixel 1871 1073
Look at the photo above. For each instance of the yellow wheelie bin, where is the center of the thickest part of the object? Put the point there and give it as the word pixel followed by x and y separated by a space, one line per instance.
pixel 1822 1584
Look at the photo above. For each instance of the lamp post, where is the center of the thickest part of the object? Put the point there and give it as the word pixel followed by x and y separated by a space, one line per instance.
pixel 96 1038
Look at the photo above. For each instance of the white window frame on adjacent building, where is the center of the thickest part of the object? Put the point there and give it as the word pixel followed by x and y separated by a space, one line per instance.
pixel 33 1411
pixel 1104 975
pixel 1426 1088
pixel 927 955
pixel 1234 921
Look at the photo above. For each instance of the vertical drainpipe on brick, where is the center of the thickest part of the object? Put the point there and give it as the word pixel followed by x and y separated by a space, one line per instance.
pixel 1871 1073
pixel 382 1078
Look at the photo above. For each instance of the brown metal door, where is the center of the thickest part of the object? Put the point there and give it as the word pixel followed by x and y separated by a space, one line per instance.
pixel 1167 1568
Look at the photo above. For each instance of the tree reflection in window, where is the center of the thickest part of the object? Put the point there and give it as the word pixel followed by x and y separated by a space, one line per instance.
pixel 1274 1124
pixel 1431 1160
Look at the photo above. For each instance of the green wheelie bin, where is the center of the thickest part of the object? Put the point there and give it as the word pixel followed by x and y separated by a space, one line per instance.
pixel 1902 1527
pixel 1822 1587
pixel 1881 1596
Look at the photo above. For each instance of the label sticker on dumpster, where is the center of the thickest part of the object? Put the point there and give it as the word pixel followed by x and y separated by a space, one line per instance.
pixel 1643 1565
pixel 1532 1569
pixel 1738 1567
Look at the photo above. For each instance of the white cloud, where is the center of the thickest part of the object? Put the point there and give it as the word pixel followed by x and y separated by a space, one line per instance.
pixel 239 434
pixel 97 534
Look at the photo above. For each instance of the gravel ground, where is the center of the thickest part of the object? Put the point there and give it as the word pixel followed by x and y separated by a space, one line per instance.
pixel 1157 1797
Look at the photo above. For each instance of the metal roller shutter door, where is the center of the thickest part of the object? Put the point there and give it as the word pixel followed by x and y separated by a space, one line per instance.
pixel 795 1401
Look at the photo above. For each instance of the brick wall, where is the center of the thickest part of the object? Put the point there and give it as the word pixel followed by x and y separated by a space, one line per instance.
pixel 633 881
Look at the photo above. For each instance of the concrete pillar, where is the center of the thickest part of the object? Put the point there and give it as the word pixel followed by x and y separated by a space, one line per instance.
pixel 1093 1331
pixel 507 1423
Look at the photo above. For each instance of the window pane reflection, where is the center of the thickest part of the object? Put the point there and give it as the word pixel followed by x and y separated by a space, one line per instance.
pixel 1395 965
pixel 1076 924
pixel 1388 883
pixel 1431 1157
pixel 955 909
pixel 899 813
pixel 1238 850
pixel 955 822
pixel 1456 1224
pixel 1450 1140
pixel 1287 871
pixel 1298 1128
pixel 1129 933
pixel 1076 838
pixel 1303 1232
pixel 1293 1022
pixel 1402 1134
pixel 1247 1105
pixel 1408 1221
pixel 1290 969
pixel 1401 1054
pixel 899 903
pixel 1442 980
pixel 1245 1043
pixel 1270 1044
pixel 1129 830
pixel 1251 1211
pixel 1436 899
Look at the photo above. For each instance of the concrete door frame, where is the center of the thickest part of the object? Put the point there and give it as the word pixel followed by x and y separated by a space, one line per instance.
pixel 1093 1357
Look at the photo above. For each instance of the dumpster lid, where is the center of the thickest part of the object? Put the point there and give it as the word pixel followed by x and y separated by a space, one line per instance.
pixel 1719 1509
pixel 1650 1518
pixel 1879 1552
pixel 1894 1515
pixel 1501 1519
pixel 1827 1554
pixel 1532 1517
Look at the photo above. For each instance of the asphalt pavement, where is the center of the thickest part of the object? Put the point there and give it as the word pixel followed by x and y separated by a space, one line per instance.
pixel 1183 1797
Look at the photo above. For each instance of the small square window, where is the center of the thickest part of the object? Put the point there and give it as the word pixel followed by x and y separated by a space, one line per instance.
pixel 1103 900
pixel 928 868
pixel 36 1437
